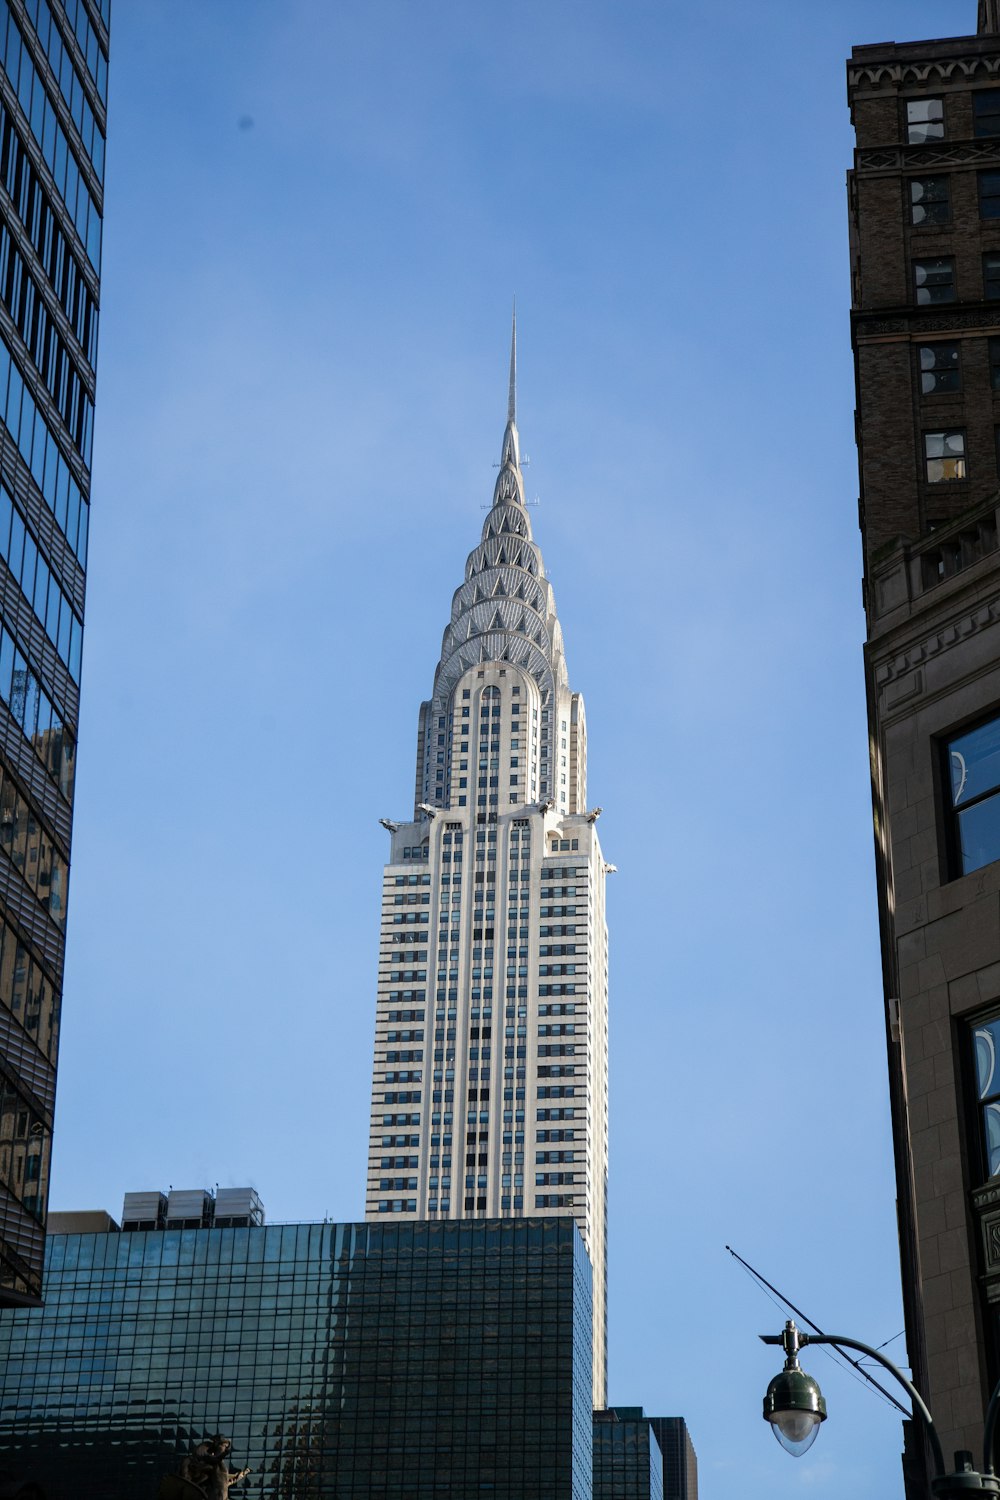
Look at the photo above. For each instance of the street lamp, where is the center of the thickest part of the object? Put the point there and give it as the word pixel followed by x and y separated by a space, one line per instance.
pixel 794 1404
pixel 795 1408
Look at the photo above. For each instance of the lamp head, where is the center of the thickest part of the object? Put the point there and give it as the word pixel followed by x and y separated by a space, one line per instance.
pixel 795 1407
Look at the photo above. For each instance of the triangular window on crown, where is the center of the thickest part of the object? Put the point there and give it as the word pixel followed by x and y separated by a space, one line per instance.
pixel 501 556
pixel 500 592
pixel 496 623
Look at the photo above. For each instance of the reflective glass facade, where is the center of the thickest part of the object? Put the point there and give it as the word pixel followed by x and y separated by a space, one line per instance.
pixel 53 92
pixel 356 1361
pixel 680 1466
pixel 628 1464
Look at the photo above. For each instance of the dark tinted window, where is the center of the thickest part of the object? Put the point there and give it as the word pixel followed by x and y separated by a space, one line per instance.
pixel 991 275
pixel 989 195
pixel 941 368
pixel 930 199
pixel 934 280
pixel 986 112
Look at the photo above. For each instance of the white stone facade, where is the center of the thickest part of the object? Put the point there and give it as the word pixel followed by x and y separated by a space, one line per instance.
pixel 490 1087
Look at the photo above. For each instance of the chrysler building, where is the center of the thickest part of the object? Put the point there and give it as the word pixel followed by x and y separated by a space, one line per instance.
pixel 490 1086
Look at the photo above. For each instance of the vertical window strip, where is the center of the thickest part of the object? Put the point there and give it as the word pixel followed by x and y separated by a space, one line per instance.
pixel 39 717
pixel 42 454
pixel 16 61
pixel 64 70
pixel 22 554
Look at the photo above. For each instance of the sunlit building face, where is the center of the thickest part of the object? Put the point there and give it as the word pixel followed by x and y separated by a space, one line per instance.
pixel 489 1096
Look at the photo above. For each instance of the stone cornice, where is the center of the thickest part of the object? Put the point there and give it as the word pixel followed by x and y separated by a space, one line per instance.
pixel 954 317
pixel 892 72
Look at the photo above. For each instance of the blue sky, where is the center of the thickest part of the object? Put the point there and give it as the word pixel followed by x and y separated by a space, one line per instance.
pixel 317 215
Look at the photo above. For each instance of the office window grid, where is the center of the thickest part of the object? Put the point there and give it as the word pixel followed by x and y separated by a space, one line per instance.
pixel 19 67
pixel 421 1358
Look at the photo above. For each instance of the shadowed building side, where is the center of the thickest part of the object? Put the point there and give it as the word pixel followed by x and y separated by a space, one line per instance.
pixel 924 197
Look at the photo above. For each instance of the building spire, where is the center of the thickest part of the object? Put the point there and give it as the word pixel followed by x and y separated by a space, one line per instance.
pixel 989 16
pixel 512 388
pixel 509 485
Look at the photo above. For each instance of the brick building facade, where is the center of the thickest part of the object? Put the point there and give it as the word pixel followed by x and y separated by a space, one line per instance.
pixel 924 199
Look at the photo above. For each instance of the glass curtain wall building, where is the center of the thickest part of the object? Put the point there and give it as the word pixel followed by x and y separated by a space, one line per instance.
pixel 642 1458
pixel 628 1464
pixel 490 1083
pixel 53 96
pixel 361 1361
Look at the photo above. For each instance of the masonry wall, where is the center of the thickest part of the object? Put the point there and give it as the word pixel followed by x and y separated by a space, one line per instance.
pixel 932 595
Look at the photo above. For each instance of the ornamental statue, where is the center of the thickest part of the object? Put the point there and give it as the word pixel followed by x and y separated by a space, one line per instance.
pixel 204 1474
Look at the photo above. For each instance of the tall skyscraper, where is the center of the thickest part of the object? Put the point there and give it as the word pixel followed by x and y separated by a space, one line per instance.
pixel 490 1092
pixel 53 93
pixel 925 245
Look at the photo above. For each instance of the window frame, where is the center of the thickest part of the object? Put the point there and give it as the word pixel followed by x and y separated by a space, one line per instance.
pixel 991 283
pixel 952 840
pixel 924 370
pixel 920 261
pixel 989 175
pixel 981 113
pixel 911 125
pixel 977 1103
pixel 945 433
pixel 939 200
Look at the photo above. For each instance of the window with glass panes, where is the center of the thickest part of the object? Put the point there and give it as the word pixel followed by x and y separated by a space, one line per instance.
pixel 944 456
pixel 989 195
pixel 924 121
pixel 973 783
pixel 934 279
pixel 940 368
pixel 930 199
pixel 986 112
pixel 986 1050
pixel 994 348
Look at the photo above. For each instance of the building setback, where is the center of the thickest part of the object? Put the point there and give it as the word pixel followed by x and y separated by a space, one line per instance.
pixel 680 1464
pixel 489 1095
pixel 362 1361
pixel 53 92
pixel 925 247
pixel 642 1458
pixel 628 1464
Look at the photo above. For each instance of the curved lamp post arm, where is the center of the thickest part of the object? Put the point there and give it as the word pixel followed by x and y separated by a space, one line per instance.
pixel 800 1340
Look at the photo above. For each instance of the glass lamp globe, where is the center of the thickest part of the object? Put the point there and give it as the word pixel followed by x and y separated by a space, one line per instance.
pixel 796 1431
pixel 794 1406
